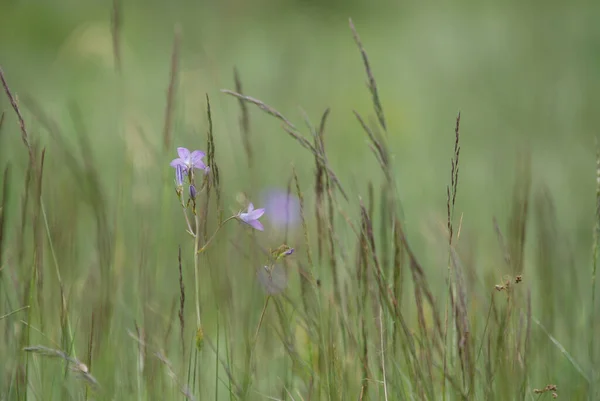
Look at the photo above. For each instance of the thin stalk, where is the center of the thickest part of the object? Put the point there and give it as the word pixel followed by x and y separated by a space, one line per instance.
pixel 13 312
pixel 262 316
pixel 196 269
pixel 214 234
pixel 217 360
pixel 594 269
pixel 187 219
pixel 60 283
pixel 385 389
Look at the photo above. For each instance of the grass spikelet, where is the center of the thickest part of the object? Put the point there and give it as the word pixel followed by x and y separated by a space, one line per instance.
pixel 292 131
pixel 552 389
pixel 212 164
pixel 371 79
pixel 181 306
pixel 2 115
pixel 320 184
pixel 115 19
pixel 378 148
pixel 73 363
pixel 3 212
pixel 13 102
pixel 269 110
pixel 398 276
pixel 244 119
pixel 362 278
pixel 596 245
pixel 171 90
pixel 451 191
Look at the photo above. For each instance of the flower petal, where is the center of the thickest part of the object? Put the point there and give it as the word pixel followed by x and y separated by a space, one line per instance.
pixel 199 165
pixel 196 158
pixel 183 153
pixel 179 175
pixel 256 214
pixel 257 225
pixel 250 208
pixel 178 162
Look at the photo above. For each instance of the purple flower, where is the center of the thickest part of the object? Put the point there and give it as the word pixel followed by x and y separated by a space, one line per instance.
pixel 283 209
pixel 189 160
pixel 251 217
pixel 192 192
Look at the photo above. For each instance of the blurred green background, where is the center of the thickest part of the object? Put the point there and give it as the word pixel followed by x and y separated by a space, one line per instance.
pixel 524 75
pixel 520 73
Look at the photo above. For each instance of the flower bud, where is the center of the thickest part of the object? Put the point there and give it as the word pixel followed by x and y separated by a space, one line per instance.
pixel 179 173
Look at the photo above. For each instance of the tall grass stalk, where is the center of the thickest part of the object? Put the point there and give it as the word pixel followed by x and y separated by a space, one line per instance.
pixel 596 245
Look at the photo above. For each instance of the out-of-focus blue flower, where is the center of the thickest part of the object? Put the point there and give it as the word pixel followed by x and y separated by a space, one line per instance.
pixel 283 209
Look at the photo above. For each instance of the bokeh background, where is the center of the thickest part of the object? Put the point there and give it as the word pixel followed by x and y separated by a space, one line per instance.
pixel 524 75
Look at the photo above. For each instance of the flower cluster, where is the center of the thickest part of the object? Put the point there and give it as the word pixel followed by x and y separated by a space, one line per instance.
pixel 184 166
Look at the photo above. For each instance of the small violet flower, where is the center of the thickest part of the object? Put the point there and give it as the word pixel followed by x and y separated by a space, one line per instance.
pixel 189 160
pixel 192 192
pixel 251 217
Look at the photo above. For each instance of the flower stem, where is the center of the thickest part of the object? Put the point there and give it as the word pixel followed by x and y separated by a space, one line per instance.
pixel 214 234
pixel 196 270
pixel 187 219
pixel 260 321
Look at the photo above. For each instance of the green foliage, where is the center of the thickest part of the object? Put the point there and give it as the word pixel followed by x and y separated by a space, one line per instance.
pixel 435 257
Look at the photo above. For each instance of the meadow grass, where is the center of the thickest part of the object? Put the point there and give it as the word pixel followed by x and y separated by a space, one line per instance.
pixel 106 297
